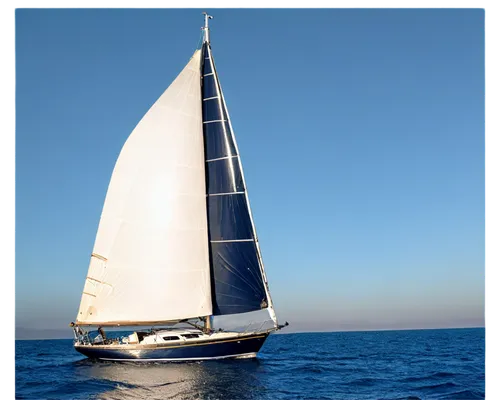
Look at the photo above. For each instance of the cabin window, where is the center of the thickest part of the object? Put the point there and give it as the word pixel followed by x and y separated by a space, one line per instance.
pixel 191 335
pixel 166 338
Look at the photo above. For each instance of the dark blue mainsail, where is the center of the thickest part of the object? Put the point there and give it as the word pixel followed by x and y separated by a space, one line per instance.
pixel 237 280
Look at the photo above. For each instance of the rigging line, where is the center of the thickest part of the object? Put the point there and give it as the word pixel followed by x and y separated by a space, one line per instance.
pixel 239 275
pixel 256 276
pixel 200 40
pixel 233 296
pixel 255 273
pixel 244 299
pixel 252 284
pixel 228 284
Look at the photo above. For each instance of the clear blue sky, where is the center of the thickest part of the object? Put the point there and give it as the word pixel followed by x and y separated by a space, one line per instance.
pixel 361 134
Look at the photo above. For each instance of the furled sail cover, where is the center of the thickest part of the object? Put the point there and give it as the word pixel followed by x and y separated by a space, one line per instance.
pixel 238 285
pixel 150 261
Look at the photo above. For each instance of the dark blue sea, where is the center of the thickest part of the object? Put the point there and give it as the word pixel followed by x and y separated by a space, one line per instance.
pixel 420 364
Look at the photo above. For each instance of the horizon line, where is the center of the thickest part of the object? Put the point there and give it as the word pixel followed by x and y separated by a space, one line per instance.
pixel 302 332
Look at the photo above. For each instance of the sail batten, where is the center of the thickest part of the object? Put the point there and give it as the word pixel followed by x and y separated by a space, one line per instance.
pixel 153 263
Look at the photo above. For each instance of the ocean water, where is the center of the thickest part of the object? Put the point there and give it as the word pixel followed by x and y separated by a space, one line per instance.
pixel 419 364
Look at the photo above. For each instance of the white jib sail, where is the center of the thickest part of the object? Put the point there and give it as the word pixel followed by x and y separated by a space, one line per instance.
pixel 150 261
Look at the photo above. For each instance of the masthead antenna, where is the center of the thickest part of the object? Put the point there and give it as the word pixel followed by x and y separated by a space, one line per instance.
pixel 206 37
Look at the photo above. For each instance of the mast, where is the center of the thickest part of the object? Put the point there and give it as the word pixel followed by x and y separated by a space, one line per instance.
pixel 207 323
pixel 206 30
pixel 207 320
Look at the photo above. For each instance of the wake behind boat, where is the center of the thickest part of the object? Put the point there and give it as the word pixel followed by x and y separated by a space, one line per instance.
pixel 176 241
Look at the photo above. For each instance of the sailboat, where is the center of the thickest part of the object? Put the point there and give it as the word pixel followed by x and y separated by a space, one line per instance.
pixel 176 255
